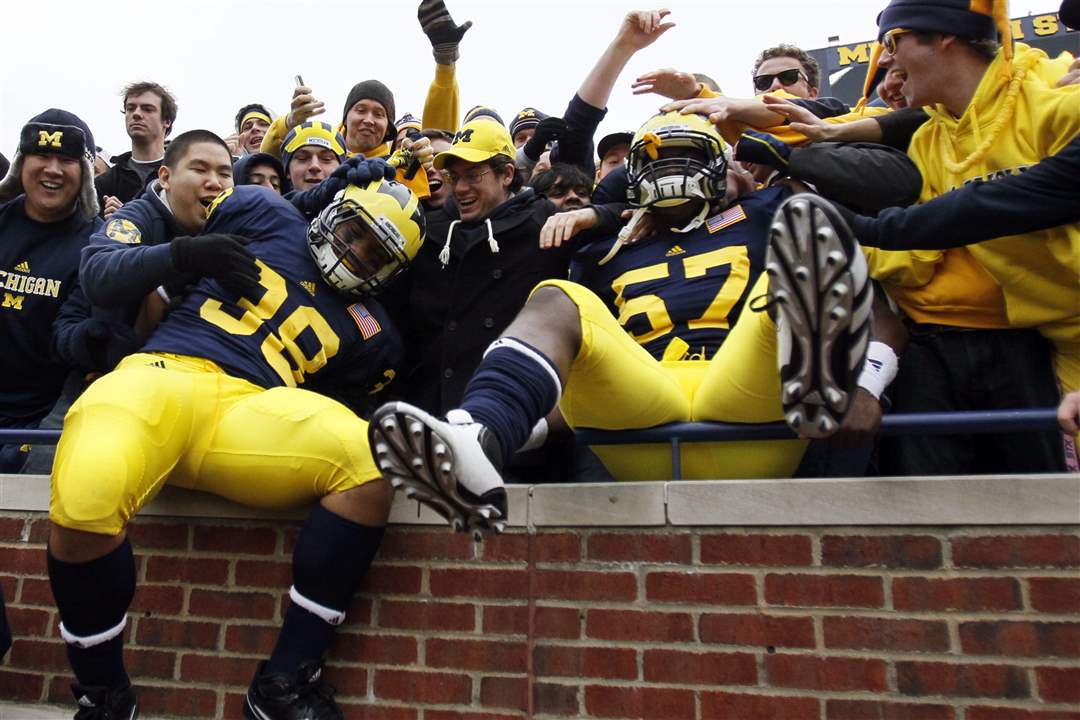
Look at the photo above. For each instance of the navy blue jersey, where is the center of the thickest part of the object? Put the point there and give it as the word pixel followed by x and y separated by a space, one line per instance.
pixel 297 327
pixel 691 286
pixel 39 266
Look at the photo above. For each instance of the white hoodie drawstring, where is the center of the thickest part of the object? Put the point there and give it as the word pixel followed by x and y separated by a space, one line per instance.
pixel 492 242
pixel 444 254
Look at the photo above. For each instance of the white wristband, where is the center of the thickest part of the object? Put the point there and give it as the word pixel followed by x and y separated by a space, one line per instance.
pixel 879 369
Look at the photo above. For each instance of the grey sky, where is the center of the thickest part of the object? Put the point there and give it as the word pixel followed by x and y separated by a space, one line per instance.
pixel 216 55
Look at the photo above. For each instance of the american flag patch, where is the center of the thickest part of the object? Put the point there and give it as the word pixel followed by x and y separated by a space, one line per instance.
pixel 725 219
pixel 369 326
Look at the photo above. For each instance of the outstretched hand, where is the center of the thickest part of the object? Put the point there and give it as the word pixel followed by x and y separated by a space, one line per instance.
pixel 443 33
pixel 668 82
pixel 360 171
pixel 562 227
pixel 304 107
pixel 799 118
pixel 641 28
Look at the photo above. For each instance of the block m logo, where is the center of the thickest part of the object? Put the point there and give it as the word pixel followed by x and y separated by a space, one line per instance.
pixel 50 138
pixel 13 301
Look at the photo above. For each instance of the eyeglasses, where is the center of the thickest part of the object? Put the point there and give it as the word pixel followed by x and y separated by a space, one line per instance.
pixel 786 78
pixel 472 178
pixel 888 40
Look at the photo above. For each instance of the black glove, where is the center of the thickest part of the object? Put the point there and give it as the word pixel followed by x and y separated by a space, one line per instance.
pixel 441 30
pixel 222 257
pixel 97 345
pixel 547 131
pixel 360 171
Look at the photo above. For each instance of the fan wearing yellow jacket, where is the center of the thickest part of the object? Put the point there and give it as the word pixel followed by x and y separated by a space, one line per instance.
pixel 987 121
pixel 978 311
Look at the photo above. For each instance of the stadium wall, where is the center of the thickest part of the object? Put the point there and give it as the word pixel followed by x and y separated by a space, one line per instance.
pixel 914 599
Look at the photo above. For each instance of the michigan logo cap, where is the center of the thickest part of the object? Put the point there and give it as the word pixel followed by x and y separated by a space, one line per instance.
pixel 477 141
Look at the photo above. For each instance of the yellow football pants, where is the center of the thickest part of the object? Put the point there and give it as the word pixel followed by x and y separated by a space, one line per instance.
pixel 615 384
pixel 180 420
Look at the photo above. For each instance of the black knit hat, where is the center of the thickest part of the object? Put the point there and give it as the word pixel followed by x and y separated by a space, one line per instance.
pixel 527 118
pixel 1070 13
pixel 482 111
pixel 373 90
pixel 951 17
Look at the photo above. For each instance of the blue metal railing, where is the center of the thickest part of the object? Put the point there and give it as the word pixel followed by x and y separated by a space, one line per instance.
pixel 944 423
pixel 941 423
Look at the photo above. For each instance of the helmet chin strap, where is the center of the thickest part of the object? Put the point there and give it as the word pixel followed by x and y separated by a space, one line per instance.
pixel 696 221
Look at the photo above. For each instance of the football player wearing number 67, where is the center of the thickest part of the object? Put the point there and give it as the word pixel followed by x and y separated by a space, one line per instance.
pixel 249 390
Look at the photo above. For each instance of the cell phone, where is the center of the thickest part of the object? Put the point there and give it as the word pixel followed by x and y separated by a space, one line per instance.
pixel 299 81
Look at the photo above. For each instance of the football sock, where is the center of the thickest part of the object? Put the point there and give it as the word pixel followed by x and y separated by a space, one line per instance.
pixel 329 561
pixel 515 386
pixel 93 598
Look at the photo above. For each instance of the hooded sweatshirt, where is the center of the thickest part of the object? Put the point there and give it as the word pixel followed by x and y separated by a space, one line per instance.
pixel 1015 118
pixel 458 308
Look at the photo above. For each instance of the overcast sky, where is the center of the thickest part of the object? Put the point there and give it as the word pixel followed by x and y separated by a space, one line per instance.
pixel 216 55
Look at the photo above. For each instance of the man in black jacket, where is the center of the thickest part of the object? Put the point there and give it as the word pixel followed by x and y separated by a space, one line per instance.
pixel 149 114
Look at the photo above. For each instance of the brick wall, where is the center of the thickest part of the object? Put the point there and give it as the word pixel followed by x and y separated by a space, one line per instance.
pixel 958 623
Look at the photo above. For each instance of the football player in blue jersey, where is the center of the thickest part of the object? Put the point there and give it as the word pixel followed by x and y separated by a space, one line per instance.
pixel 230 395
pixel 656 332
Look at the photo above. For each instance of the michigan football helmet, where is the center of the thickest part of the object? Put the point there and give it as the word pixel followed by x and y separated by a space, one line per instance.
pixel 676 158
pixel 367 236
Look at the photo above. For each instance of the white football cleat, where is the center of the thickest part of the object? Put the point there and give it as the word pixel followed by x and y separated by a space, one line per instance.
pixel 449 465
pixel 819 286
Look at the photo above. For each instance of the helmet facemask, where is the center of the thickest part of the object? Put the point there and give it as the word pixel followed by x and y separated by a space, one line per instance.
pixel 358 253
pixel 675 165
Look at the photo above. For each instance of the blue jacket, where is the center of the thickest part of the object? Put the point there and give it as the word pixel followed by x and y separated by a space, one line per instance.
pixel 130 256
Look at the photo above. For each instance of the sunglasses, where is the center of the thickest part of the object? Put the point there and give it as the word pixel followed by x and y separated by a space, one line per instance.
pixel 786 78
pixel 888 40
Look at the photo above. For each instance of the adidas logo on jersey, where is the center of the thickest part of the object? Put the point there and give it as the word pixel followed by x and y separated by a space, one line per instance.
pixel 676 250
pixel 23 267
pixel 309 286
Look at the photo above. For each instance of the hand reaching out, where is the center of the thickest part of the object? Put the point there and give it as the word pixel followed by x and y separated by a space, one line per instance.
pixel 669 83
pixel 800 119
pixel 562 227
pixel 641 28
pixel 304 107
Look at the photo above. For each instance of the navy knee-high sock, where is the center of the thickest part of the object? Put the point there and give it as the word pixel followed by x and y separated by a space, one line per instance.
pixel 515 386
pixel 331 556
pixel 93 598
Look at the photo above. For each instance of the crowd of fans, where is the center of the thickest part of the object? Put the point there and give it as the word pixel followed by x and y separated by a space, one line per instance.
pixel 546 279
